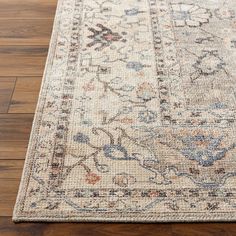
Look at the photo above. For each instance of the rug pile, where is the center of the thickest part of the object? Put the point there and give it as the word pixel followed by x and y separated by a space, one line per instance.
pixel 136 115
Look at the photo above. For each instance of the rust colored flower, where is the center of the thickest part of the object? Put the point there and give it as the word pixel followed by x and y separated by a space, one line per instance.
pixel 126 120
pixel 89 87
pixel 92 178
pixel 154 194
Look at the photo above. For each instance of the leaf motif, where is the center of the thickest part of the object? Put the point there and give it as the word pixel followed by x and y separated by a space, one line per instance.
pixel 102 168
pixel 127 88
pixel 116 80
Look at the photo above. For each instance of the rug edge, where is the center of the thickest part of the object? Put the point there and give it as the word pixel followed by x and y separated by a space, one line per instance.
pixel 28 158
pixel 164 219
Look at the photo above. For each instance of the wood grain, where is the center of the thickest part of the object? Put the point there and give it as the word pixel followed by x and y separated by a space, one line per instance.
pixel 15 127
pixel 6 89
pixel 8 192
pixel 22 60
pixel 27 9
pixel 10 173
pixel 25 96
pixel 13 150
pixel 25 31
pixel 118 229
pixel 82 229
pixel 204 229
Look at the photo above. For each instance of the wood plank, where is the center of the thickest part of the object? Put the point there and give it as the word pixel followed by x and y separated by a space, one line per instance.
pixel 6 89
pixel 25 31
pixel 22 60
pixel 10 169
pixel 27 9
pixel 8 193
pixel 7 228
pixel 204 229
pixel 10 173
pixel 25 96
pixel 11 150
pixel 15 127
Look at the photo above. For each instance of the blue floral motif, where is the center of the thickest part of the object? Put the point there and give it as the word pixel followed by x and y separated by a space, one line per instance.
pixel 86 122
pixel 204 149
pixel 81 138
pixel 125 110
pixel 137 66
pixel 218 105
pixel 116 152
pixel 33 205
pixel 131 12
pixel 147 116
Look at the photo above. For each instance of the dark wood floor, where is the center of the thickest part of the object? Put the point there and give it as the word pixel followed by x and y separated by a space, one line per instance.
pixel 25 29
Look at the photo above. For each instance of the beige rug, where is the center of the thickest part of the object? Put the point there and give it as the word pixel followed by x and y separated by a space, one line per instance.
pixel 136 115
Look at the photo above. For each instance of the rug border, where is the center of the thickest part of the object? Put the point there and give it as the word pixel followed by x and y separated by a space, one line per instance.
pixel 28 158
pixel 177 218
pixel 17 217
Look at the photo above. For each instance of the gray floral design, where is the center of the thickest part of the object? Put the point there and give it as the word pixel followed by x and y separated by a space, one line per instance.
pixel 225 13
pixel 209 63
pixel 116 152
pixel 204 149
pixel 189 15
pixel 147 116
pixel 81 138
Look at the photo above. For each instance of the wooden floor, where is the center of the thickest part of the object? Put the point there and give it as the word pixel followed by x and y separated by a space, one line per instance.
pixel 25 29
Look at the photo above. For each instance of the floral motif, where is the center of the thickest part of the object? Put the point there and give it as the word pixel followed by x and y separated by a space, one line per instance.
pixel 190 15
pixel 115 151
pixel 137 66
pixel 145 91
pixel 89 87
pixel 104 37
pixel 147 116
pixel 124 180
pixel 126 120
pixel 204 149
pixel 209 63
pixel 225 13
pixel 132 12
pixel 81 138
pixel 125 110
pixel 92 178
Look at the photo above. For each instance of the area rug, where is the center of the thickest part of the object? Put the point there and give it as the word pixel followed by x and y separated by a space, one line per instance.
pixel 136 115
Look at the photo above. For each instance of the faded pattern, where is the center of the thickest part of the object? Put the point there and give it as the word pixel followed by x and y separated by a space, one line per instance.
pixel 136 117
